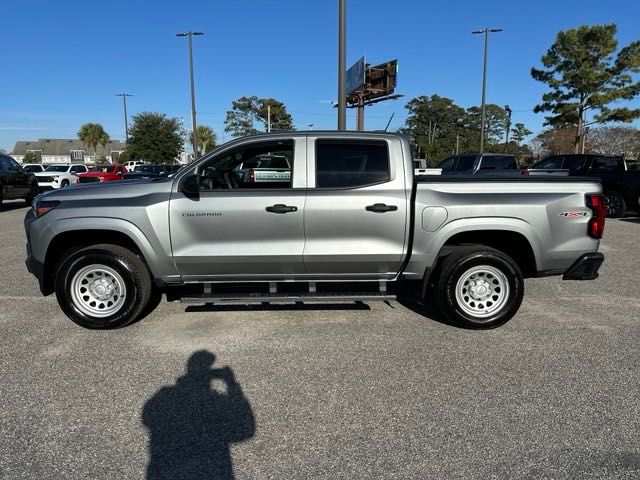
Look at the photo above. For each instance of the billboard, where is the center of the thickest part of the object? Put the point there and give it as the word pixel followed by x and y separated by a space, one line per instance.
pixel 355 76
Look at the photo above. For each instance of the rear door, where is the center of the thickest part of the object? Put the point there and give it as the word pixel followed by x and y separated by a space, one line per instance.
pixel 236 229
pixel 356 211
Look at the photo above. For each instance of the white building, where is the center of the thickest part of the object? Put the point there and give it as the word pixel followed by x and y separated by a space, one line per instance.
pixel 55 150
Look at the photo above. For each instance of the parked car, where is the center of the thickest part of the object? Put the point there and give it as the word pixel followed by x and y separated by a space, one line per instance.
pixel 351 223
pixel 59 175
pixel 620 185
pixel 103 173
pixel 15 182
pixel 33 167
pixel 264 168
pixel 151 171
pixel 480 164
pixel 132 164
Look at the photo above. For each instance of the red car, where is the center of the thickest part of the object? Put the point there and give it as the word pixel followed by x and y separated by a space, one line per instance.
pixel 103 173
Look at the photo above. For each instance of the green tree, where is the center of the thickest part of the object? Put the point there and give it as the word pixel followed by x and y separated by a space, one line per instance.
pixel 496 121
pixel 519 133
pixel 206 139
pixel 246 112
pixel 92 134
pixel 583 74
pixel 30 157
pixel 434 123
pixel 155 138
pixel 280 118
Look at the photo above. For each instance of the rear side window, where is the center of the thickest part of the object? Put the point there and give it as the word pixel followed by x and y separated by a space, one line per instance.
pixel 606 164
pixel 344 164
pixel 497 162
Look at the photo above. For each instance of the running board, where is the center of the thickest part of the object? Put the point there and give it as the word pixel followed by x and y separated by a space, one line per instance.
pixel 284 298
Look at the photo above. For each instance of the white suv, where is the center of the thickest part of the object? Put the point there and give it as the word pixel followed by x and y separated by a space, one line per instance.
pixel 59 175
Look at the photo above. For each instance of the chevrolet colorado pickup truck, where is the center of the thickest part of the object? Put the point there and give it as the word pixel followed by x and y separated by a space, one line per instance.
pixel 351 223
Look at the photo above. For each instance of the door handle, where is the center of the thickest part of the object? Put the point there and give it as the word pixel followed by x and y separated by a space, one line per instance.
pixel 280 208
pixel 381 208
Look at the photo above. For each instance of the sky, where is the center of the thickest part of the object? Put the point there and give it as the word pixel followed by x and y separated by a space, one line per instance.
pixel 63 62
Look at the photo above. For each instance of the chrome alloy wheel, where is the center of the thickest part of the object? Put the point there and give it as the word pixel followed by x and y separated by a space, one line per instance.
pixel 482 291
pixel 98 291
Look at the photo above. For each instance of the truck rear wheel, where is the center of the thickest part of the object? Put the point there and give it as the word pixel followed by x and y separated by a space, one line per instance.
pixel 615 205
pixel 103 286
pixel 479 287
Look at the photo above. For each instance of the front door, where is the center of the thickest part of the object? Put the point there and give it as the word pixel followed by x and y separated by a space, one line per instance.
pixel 16 178
pixel 356 211
pixel 242 225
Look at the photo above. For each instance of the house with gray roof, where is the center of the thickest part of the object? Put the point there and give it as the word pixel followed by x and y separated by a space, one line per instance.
pixel 61 150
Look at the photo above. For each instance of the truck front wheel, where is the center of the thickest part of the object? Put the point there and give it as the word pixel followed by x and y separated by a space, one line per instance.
pixel 103 286
pixel 478 287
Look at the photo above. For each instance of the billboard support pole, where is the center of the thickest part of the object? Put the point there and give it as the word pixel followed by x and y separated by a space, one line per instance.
pixel 342 64
pixel 360 113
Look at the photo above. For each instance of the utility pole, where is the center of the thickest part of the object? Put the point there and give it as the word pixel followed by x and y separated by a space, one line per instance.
pixel 342 64
pixel 457 143
pixel 269 118
pixel 506 140
pixel 486 32
pixel 126 124
pixel 194 128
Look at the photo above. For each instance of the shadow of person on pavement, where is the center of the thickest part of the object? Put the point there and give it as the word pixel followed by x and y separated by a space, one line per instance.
pixel 192 426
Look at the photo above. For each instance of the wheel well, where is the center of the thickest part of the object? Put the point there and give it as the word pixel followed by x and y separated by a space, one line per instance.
pixel 513 244
pixel 64 243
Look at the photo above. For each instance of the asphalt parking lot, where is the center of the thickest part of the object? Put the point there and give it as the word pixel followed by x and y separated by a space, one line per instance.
pixel 376 391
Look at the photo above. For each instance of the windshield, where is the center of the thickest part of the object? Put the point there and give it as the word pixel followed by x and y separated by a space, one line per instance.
pixel 103 168
pixel 57 168
pixel 147 168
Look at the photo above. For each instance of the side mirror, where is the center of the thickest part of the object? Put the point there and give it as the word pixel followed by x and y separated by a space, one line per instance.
pixel 189 185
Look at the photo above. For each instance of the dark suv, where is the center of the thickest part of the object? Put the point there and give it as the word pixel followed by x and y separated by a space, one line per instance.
pixel 621 186
pixel 15 183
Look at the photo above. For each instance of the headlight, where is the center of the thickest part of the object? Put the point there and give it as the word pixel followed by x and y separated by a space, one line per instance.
pixel 41 207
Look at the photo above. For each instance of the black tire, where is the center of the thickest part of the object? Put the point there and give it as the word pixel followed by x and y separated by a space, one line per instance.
pixel 463 260
pixel 64 184
pixel 132 270
pixel 615 205
pixel 33 193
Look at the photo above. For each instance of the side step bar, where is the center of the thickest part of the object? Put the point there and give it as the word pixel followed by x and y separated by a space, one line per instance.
pixel 287 298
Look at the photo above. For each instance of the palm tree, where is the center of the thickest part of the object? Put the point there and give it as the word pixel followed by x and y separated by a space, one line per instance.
pixel 92 134
pixel 206 139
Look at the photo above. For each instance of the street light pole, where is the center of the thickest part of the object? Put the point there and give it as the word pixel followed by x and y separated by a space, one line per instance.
pixel 507 109
pixel 194 128
pixel 342 64
pixel 126 124
pixel 486 32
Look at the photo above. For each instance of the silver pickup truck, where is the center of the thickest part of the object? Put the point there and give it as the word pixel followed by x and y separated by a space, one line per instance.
pixel 351 223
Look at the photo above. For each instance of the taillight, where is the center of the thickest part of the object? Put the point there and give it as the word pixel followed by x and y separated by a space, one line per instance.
pixel 596 224
pixel 251 177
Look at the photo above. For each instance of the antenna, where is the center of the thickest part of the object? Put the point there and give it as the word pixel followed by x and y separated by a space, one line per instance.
pixel 389 122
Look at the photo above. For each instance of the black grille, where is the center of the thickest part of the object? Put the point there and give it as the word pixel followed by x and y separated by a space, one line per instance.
pixel 45 179
pixel 89 179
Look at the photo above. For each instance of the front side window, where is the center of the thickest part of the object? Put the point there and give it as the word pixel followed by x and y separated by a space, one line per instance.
pixel 447 164
pixel 351 164
pixel 573 164
pixel 257 165
pixel 103 168
pixel 492 162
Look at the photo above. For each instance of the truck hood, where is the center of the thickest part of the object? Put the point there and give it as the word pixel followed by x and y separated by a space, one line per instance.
pixel 100 192
pixel 49 174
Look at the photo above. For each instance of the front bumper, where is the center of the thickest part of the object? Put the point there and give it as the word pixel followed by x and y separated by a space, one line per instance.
pixel 34 266
pixel 47 186
pixel 585 268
